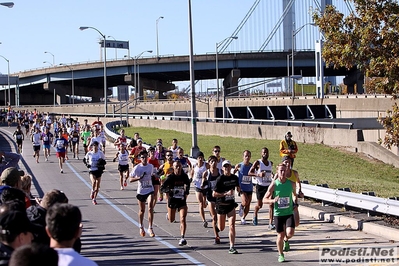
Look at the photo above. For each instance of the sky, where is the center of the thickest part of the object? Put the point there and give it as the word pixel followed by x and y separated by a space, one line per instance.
pixel 32 27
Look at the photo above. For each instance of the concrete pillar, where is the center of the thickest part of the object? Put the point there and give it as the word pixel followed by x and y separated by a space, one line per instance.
pixel 230 83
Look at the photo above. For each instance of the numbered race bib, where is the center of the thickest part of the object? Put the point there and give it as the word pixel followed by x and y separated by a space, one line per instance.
pixel 60 144
pixel 146 184
pixel 246 180
pixel 19 136
pixel 283 203
pixel 212 184
pixel 185 169
pixel 229 197
pixel 74 139
pixel 178 193
pixel 45 138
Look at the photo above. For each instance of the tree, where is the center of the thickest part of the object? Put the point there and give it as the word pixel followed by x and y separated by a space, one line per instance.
pixel 367 39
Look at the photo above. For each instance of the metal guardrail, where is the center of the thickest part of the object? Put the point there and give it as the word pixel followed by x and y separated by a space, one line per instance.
pixel 365 202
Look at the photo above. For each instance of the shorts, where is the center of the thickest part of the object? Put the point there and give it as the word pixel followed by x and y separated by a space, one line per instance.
pixel 85 145
pixel 176 203
pixel 46 146
pixel 123 168
pixel 36 148
pixel 75 142
pixel 280 221
pixel 19 141
pixel 203 191
pixel 261 191
pixel 225 209
pixel 96 173
pixel 248 193
pixel 209 196
pixel 27 126
pixel 143 198
pixel 60 154
pixel 155 181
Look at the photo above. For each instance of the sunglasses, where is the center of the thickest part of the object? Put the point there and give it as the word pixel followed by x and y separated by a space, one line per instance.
pixel 169 155
pixel 216 150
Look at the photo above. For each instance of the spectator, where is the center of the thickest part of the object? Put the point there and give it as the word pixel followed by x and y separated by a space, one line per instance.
pixel 33 255
pixel 11 177
pixel 26 184
pixel 8 159
pixel 288 147
pixel 64 226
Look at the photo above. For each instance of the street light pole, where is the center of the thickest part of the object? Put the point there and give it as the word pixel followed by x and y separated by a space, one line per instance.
pixel 46 52
pixel 137 74
pixel 47 62
pixel 73 83
pixel 217 75
pixel 105 65
pixel 8 80
pixel 157 36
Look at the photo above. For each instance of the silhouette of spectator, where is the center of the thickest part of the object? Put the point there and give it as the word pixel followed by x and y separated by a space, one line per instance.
pixel 14 198
pixel 34 255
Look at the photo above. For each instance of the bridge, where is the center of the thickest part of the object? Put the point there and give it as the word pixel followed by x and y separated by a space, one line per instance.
pixel 272 55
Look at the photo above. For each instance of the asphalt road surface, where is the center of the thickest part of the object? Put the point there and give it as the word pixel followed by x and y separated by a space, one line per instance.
pixel 111 234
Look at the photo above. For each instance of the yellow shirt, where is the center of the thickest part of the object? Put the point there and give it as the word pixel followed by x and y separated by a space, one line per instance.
pixel 293 177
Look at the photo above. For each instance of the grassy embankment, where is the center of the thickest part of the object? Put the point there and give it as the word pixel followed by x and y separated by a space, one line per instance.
pixel 316 163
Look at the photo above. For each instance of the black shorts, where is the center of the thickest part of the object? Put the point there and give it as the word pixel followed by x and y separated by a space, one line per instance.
pixel 248 193
pixel 155 181
pixel 176 203
pixel 225 209
pixel 36 148
pixel 27 126
pixel 280 221
pixel 209 196
pixel 143 198
pixel 96 173
pixel 19 141
pixel 261 191
pixel 203 191
pixel 123 168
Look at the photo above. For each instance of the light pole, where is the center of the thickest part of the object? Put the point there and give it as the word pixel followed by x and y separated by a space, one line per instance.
pixel 105 66
pixel 137 74
pixel 7 4
pixel 157 36
pixel 47 62
pixel 116 49
pixel 8 80
pixel 46 52
pixel 73 83
pixel 294 33
pixel 217 75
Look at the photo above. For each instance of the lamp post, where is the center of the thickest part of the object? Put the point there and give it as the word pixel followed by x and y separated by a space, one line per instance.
pixel 105 66
pixel 73 83
pixel 137 74
pixel 157 36
pixel 7 4
pixel 116 49
pixel 46 52
pixel 217 75
pixel 8 81
pixel 47 62
pixel 294 33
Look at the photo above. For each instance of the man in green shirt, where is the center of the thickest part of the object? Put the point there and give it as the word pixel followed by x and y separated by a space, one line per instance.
pixel 282 194
pixel 85 136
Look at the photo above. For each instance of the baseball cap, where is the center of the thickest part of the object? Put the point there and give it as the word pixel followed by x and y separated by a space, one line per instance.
pixel 11 176
pixel 139 140
pixel 95 143
pixel 15 222
pixel 288 134
pixel 226 162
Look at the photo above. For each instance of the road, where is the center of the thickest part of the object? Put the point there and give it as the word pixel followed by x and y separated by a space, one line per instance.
pixel 111 233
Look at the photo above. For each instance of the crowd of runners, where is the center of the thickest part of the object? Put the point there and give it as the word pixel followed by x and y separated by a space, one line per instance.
pixel 163 173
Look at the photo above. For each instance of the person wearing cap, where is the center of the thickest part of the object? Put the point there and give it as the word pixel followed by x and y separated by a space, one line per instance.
pixel 15 231
pixel 177 185
pixel 64 226
pixel 160 152
pixel 134 153
pixel 288 147
pixel 61 147
pixel 91 160
pixel 225 201
pixel 197 172
pixel 123 164
pixel 11 177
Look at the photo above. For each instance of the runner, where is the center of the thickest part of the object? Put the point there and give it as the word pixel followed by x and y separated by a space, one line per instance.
pixel 284 200
pixel 121 139
pixel 123 164
pixel 103 139
pixel 262 171
pixel 225 202
pixel 177 185
pixel 75 144
pixel 165 169
pixel 185 162
pixel 134 153
pixel 47 139
pixel 85 137
pixel 246 186
pixel 95 161
pixel 216 152
pixel 156 182
pixel 19 138
pixel 61 146
pixel 36 137
pixel 197 172
pixel 142 173
pixel 174 147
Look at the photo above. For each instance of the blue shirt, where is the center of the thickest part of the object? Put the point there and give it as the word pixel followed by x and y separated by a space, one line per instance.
pixel 61 144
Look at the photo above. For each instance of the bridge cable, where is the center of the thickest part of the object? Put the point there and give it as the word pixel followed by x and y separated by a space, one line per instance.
pixel 224 46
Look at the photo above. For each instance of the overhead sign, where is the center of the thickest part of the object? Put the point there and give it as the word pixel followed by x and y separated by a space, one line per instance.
pixel 115 44
pixel 123 93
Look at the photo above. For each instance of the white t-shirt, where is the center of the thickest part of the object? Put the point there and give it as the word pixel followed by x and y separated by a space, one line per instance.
pixel 69 257
pixel 145 184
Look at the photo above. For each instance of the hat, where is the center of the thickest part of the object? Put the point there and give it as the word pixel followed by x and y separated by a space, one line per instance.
pixel 285 158
pixel 288 134
pixel 225 162
pixel 200 153
pixel 11 176
pixel 139 140
pixel 15 222
pixel 95 143
pixel 159 144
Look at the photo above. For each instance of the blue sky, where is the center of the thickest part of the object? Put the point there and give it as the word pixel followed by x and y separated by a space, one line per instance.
pixel 32 27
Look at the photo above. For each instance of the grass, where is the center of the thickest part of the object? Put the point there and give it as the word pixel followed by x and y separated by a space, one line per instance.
pixel 319 164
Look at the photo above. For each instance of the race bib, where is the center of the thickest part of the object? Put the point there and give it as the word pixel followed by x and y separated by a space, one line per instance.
pixel 19 136
pixel 230 197
pixel 212 184
pixel 45 138
pixel 178 193
pixel 246 179
pixel 146 184
pixel 283 203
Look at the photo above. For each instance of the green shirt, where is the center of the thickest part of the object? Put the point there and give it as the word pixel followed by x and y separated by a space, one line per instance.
pixel 284 206
pixel 85 135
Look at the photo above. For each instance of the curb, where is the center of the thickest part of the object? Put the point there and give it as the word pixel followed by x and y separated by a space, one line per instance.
pixel 389 233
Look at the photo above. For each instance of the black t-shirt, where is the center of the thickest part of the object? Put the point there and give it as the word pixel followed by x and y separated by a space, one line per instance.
pixel 224 184
pixel 177 186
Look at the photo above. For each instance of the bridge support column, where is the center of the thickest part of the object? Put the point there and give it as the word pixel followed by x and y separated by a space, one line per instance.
pixel 150 84
pixel 230 83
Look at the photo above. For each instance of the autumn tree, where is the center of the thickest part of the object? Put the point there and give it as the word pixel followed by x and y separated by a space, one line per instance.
pixel 368 39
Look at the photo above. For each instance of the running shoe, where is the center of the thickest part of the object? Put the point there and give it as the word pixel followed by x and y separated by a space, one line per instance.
pixel 233 251
pixel 217 240
pixel 286 246
pixel 92 194
pixel 205 224
pixel 61 171
pixel 255 221
pixel 151 232
pixel 142 232
pixel 243 221
pixel 182 242
pixel 125 184
pixel 241 210
pixel 281 258
pixel 94 202
pixel 271 227
pixel 122 188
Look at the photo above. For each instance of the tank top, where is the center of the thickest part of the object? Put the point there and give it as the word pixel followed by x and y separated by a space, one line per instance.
pixel 197 177
pixel 243 177
pixel 284 205
pixel 211 185
pixel 293 177
pixel 267 179
pixel 123 158
pixel 219 165
pixel 174 151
